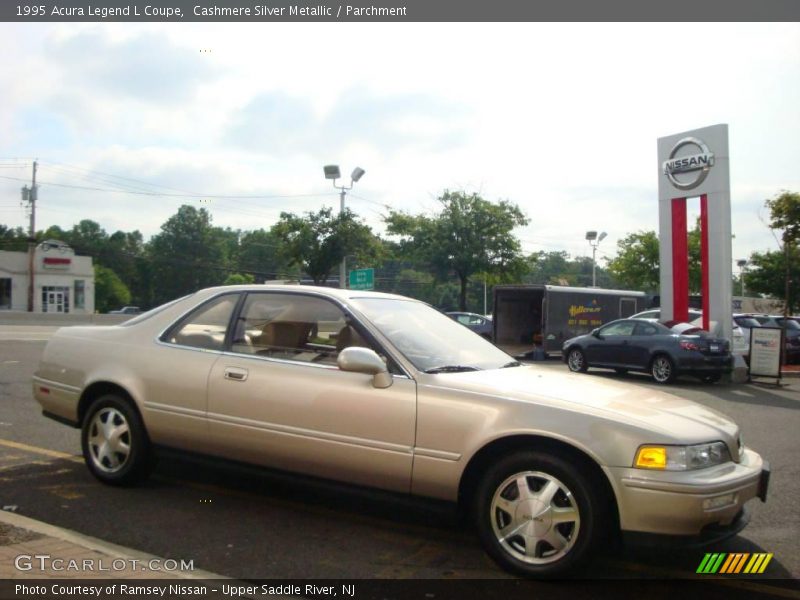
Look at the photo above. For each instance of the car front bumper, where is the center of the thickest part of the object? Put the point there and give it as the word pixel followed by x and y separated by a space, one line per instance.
pixel 687 503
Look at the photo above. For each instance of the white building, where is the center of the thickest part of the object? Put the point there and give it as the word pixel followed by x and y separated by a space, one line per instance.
pixel 63 282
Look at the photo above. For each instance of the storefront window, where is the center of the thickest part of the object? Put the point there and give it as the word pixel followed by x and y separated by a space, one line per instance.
pixel 5 293
pixel 80 293
pixel 55 299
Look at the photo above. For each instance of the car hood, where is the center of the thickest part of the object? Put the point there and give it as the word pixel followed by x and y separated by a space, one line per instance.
pixel 638 405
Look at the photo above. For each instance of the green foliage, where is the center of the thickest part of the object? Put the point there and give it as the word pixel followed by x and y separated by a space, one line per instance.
pixel 557 268
pixel 784 212
pixel 776 273
pixel 13 240
pixel 259 254
pixel 766 274
pixel 189 254
pixel 109 291
pixel 318 241
pixel 238 279
pixel 469 236
pixel 636 265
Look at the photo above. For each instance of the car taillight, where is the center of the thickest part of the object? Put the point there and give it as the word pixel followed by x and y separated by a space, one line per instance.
pixel 689 346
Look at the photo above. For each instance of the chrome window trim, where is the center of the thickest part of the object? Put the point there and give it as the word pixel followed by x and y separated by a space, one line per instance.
pixel 350 311
pixel 289 361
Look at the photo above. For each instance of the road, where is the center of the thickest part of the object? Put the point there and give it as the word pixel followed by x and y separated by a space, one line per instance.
pixel 254 524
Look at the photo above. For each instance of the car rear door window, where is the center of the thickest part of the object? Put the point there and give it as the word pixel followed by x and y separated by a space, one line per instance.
pixel 617 329
pixel 205 327
pixel 645 329
pixel 294 327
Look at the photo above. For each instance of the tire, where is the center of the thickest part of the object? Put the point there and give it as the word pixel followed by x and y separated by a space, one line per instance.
pixel 663 369
pixel 576 361
pixel 114 441
pixel 514 507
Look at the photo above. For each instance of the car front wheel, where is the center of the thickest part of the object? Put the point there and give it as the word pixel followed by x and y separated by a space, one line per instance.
pixel 114 442
pixel 536 515
pixel 663 369
pixel 576 361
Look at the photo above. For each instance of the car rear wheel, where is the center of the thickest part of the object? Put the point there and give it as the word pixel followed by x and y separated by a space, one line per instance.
pixel 536 516
pixel 114 441
pixel 663 369
pixel 576 361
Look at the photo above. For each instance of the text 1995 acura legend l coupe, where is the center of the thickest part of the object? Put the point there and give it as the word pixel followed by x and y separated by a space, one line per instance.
pixel 385 391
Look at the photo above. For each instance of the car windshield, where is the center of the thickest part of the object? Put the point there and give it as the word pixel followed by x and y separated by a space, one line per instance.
pixel 748 322
pixel 430 340
pixel 788 323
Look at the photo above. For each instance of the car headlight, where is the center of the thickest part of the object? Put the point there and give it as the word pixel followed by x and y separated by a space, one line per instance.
pixel 681 458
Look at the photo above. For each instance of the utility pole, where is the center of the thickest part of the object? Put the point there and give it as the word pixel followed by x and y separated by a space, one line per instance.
pixel 31 238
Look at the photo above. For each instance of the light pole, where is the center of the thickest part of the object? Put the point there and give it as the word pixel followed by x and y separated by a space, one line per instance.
pixel 741 263
pixel 594 242
pixel 332 172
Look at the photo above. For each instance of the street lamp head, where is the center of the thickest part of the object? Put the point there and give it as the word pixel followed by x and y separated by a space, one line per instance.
pixel 591 235
pixel 602 237
pixel 358 172
pixel 741 263
pixel 332 172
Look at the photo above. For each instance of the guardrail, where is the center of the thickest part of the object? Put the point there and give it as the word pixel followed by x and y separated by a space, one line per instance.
pixel 59 319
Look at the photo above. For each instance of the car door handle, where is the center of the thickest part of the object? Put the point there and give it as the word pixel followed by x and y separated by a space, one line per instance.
pixel 235 374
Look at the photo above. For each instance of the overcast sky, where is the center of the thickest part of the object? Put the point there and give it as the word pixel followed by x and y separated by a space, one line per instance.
pixel 560 118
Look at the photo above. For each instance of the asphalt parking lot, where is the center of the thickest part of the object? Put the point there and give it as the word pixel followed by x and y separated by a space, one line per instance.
pixel 254 524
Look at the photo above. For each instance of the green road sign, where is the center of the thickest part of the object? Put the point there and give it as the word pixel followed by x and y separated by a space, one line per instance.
pixel 362 279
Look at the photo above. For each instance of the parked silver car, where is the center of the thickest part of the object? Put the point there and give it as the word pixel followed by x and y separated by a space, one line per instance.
pixel 385 391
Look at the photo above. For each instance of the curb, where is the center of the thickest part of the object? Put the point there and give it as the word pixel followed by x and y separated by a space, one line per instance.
pixel 95 544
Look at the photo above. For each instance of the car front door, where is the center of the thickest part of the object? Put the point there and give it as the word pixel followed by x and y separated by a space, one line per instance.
pixel 641 345
pixel 278 398
pixel 610 349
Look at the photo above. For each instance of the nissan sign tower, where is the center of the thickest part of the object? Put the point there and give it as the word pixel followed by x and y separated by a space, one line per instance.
pixel 690 165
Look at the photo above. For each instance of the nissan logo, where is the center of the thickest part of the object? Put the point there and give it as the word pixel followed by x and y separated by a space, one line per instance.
pixel 700 161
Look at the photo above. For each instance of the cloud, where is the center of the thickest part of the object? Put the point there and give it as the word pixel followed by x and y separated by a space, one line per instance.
pixel 147 68
pixel 276 123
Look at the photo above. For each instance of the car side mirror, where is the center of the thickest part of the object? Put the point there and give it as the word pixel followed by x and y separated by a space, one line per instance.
pixel 365 360
pixel 596 333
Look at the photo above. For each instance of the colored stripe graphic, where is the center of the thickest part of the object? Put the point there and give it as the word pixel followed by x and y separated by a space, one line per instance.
pixel 734 563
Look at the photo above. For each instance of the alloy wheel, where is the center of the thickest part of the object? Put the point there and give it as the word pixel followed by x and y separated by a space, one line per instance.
pixel 109 440
pixel 535 517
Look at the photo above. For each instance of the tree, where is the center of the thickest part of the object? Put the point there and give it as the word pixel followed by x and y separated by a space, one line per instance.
pixel 469 236
pixel 766 274
pixel 109 291
pixel 318 241
pixel 557 268
pixel 636 265
pixel 784 211
pixel 260 255
pixel 238 279
pixel 188 254
pixel 13 240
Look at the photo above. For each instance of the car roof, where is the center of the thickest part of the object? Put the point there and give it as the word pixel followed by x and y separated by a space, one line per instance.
pixel 338 293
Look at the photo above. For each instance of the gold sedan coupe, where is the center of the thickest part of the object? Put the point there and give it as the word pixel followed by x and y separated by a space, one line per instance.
pixel 385 391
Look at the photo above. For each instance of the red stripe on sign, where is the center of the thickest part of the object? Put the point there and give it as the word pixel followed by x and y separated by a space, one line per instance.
pixel 704 260
pixel 680 261
pixel 57 261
